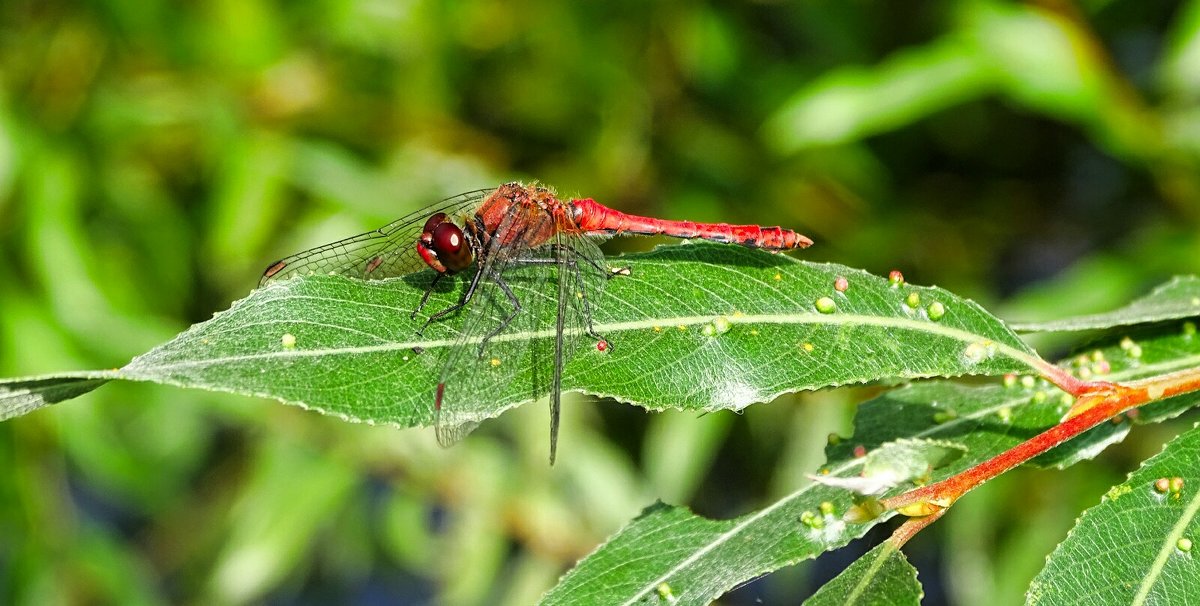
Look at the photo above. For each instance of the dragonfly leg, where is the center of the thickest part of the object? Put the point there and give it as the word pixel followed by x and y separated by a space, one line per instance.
pixel 425 297
pixel 516 303
pixel 587 309
pixel 608 272
pixel 462 301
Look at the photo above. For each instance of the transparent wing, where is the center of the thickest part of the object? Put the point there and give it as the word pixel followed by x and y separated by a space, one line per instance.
pixel 382 253
pixel 582 276
pixel 517 362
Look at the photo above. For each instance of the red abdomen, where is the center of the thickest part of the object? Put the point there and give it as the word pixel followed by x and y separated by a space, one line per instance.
pixel 592 217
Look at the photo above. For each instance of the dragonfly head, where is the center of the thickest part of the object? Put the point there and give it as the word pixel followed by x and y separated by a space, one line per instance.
pixel 443 246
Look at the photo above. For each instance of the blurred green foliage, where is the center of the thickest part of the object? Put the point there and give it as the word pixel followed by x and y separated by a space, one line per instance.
pixel 154 156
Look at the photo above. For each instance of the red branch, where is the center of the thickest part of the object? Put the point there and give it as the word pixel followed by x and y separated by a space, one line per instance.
pixel 1097 403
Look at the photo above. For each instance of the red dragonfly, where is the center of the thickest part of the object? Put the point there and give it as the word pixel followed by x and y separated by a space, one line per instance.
pixel 521 248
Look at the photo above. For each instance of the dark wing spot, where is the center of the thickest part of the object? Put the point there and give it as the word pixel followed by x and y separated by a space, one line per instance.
pixel 274 268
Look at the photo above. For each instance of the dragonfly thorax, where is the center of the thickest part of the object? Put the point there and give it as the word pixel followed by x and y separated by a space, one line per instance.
pixel 443 246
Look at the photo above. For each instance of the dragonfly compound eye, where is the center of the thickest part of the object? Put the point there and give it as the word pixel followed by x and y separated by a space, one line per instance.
pixel 451 247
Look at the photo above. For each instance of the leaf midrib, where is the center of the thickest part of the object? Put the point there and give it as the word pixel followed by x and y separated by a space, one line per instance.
pixel 930 327
pixel 869 575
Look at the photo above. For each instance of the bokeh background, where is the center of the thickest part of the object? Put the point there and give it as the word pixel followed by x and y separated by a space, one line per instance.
pixel 1041 158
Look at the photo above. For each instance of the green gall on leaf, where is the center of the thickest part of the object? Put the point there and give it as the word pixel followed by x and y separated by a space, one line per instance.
pixel 936 311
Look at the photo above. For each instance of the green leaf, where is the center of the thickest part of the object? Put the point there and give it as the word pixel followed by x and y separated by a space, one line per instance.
pixel 1139 545
pixel 1155 351
pixel 1176 299
pixel 700 559
pixel 882 577
pixel 20 396
pixel 700 327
